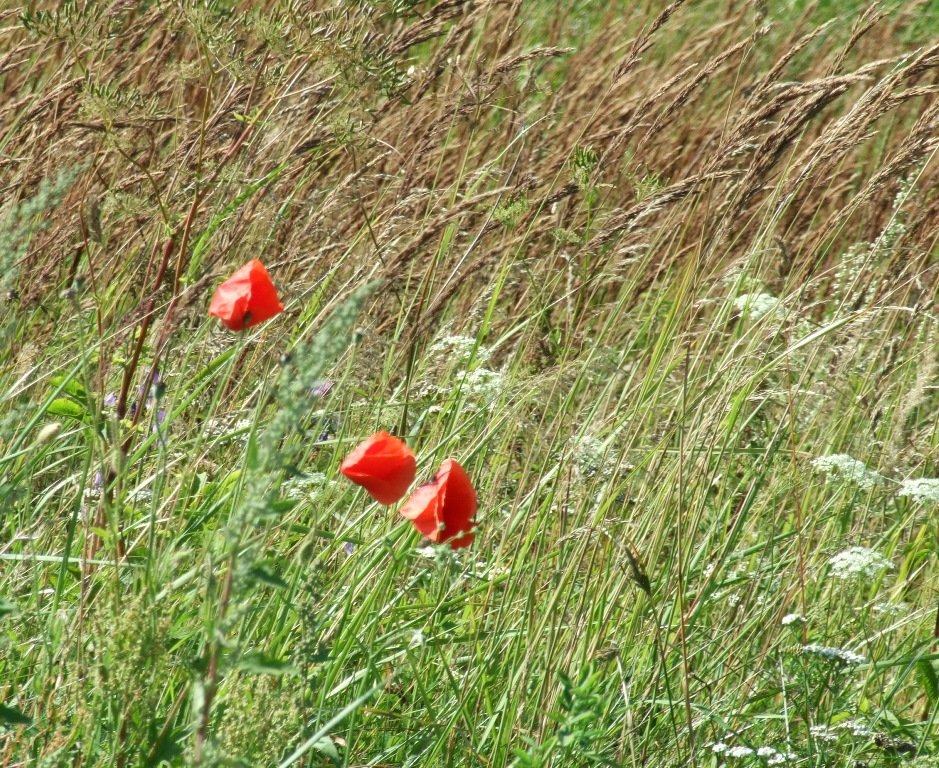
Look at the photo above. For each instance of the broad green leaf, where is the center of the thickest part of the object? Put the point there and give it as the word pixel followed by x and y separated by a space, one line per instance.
pixel 12 716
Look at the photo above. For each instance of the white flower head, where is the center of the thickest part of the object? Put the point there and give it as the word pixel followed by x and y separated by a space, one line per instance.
pixel 843 466
pixel 591 456
pixel 792 618
pixel 920 489
pixel 483 384
pixel 823 733
pixel 857 562
pixel 460 349
pixel 756 305
pixel 840 655
pixel 857 729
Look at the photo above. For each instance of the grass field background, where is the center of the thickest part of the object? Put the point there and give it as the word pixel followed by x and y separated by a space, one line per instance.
pixel 662 277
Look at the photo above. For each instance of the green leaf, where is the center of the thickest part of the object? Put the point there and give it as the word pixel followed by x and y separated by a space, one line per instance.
pixel 928 678
pixel 70 387
pixel 264 574
pixel 13 716
pixel 65 406
pixel 325 746
pixel 6 607
pixel 262 664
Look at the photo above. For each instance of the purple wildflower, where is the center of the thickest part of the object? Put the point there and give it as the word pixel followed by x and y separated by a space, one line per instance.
pixel 321 388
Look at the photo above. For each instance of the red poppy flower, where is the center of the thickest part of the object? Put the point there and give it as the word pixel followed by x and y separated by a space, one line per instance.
pixel 247 298
pixel 443 510
pixel 383 465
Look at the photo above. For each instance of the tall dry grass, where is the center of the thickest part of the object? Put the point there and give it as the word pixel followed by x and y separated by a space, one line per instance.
pixel 584 189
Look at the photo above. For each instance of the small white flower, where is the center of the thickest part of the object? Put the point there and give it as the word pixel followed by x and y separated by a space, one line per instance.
pixel 719 747
pixel 833 654
pixel 417 639
pixel 843 466
pixel 591 456
pixel 756 305
pixel 823 733
pixel 858 561
pixel 792 618
pixel 460 348
pixel 305 486
pixel 774 756
pixel 141 495
pixel 857 729
pixel 739 751
pixel 891 609
pixel 483 384
pixel 920 489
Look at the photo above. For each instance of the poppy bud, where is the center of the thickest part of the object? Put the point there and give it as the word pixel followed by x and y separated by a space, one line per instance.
pixel 383 465
pixel 443 509
pixel 247 298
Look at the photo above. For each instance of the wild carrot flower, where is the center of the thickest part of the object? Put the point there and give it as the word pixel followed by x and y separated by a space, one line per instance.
pixel 858 562
pixel 841 465
pixel 383 465
pixel 247 298
pixel 920 489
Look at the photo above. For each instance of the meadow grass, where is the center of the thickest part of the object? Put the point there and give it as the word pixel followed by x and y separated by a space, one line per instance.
pixel 662 277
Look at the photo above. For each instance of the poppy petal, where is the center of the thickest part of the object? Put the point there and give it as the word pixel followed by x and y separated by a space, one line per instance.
pixel 443 509
pixel 247 298
pixel 421 510
pixel 383 465
pixel 459 499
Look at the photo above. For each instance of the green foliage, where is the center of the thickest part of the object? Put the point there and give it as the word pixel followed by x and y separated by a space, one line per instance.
pixel 690 371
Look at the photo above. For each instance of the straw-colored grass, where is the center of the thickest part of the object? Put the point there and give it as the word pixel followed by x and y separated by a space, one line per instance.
pixel 662 277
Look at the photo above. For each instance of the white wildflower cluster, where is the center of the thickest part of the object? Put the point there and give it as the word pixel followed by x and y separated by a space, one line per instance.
pixel 891 609
pixel 831 733
pixel 792 618
pixel 479 385
pixel 769 755
pixel 228 428
pixel 824 733
pixel 840 655
pixel 486 571
pixel 857 728
pixel 920 489
pixel 140 495
pixel 483 384
pixel 756 305
pixel 441 555
pixel 590 457
pixel 856 562
pixel 841 465
pixel 774 756
pixel 306 487
pixel 459 349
